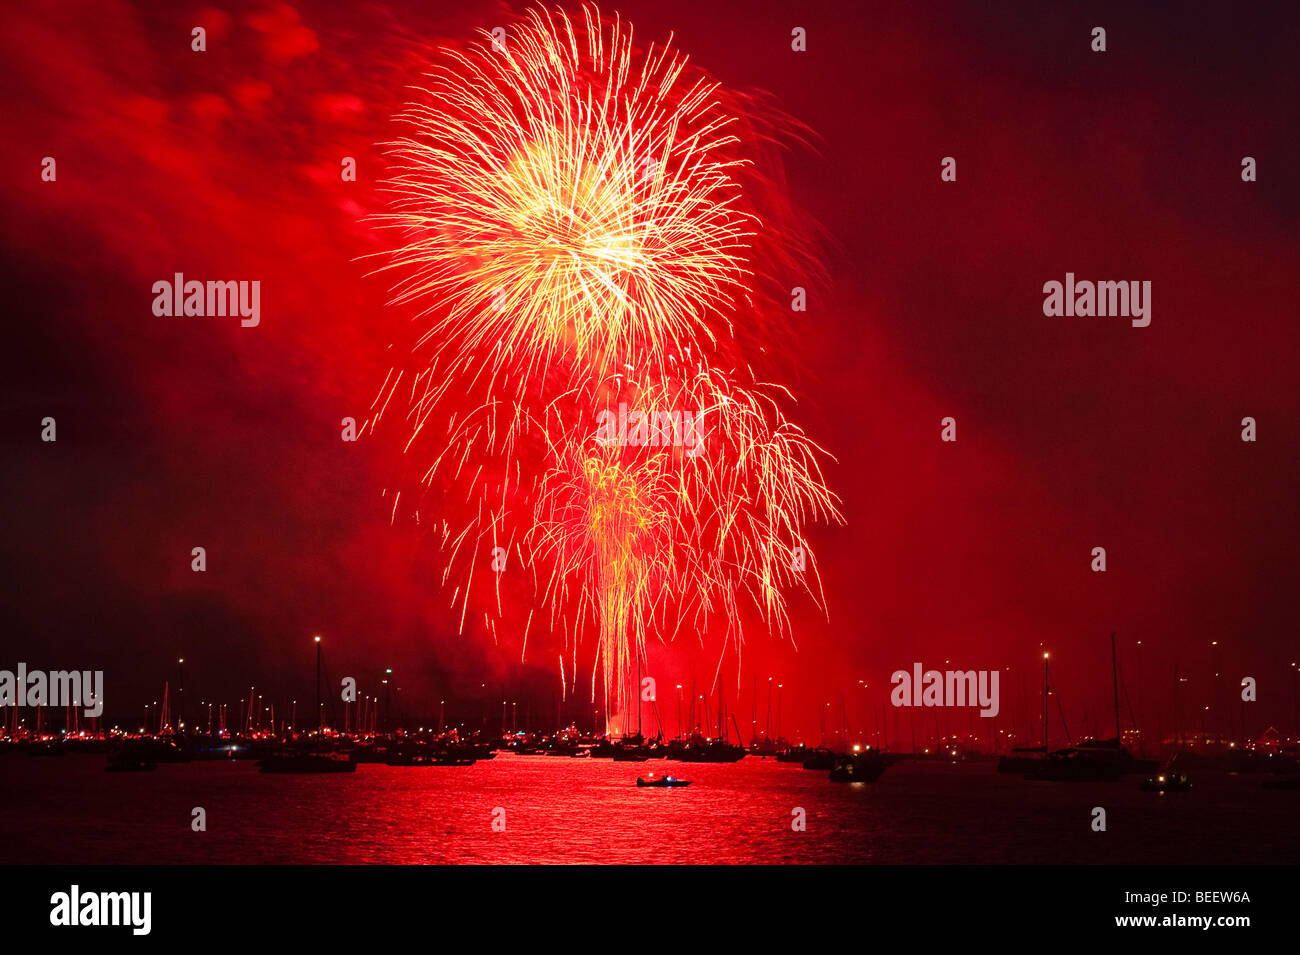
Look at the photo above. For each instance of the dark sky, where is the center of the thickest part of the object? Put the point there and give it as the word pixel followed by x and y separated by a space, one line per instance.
pixel 1072 433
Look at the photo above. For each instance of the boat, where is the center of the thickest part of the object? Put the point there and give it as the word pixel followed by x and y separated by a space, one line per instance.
pixel 865 767
pixel 131 759
pixel 1074 765
pixel 437 753
pixel 370 753
pixel 604 749
pixel 1282 782
pixel 1166 783
pixel 452 759
pixel 429 758
pixel 793 754
pixel 302 762
pixel 629 756
pixel 317 759
pixel 698 749
pixel 1017 763
pixel 820 758
pixel 1113 752
pixel 714 751
pixel 159 750
pixel 661 782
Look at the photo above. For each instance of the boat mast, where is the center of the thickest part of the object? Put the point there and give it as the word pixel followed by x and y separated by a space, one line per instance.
pixel 1045 698
pixel 1114 678
pixel 320 718
pixel 694 717
pixel 1177 713
pixel 722 706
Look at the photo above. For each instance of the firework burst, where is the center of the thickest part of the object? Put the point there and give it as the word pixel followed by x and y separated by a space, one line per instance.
pixel 568 202
pixel 575 238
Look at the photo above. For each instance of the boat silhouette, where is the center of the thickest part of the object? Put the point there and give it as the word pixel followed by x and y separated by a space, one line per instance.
pixel 864 767
pixel 1166 783
pixel 300 761
pixel 661 782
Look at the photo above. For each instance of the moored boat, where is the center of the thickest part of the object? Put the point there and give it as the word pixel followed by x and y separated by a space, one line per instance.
pixel 864 767
pixel 1019 762
pixel 305 762
pixel 1073 765
pixel 1166 783
pixel 820 758
pixel 132 758
pixel 1112 752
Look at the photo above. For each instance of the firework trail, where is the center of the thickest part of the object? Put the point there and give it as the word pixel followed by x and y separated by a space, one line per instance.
pixel 575 239
pixel 669 523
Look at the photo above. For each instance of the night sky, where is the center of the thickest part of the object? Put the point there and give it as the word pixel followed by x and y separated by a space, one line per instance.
pixel 1072 432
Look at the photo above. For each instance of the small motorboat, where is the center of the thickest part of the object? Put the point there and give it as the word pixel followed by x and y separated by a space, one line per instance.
pixel 662 782
pixel 1166 783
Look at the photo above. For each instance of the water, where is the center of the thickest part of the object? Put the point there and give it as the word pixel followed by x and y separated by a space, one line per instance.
pixel 68 810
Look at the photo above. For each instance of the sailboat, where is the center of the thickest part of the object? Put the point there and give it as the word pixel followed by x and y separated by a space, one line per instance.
pixel 718 750
pixel 1112 752
pixel 1093 760
pixel 319 760
pixel 1030 759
